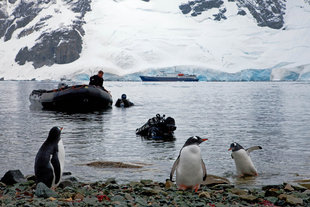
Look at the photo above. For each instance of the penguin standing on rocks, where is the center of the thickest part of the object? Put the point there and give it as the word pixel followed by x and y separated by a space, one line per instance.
pixel 49 162
pixel 189 166
pixel 244 164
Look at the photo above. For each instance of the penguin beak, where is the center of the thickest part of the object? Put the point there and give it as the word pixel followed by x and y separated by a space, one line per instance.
pixel 229 149
pixel 61 128
pixel 204 140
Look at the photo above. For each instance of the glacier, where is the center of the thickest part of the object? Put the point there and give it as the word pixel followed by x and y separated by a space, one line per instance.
pixel 302 73
pixel 128 38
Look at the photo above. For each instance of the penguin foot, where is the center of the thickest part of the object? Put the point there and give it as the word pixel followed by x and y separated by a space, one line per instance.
pixel 183 187
pixel 196 188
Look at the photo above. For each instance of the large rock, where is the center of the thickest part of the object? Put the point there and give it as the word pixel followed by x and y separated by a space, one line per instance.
pixel 274 192
pixel 30 177
pixel 304 183
pixel 13 176
pixel 44 192
pixel 238 191
pixel 307 192
pixel 71 179
pixel 65 183
pixel 249 198
pixel 204 194
pixel 111 164
pixel 288 187
pixel 267 187
pixel 66 173
pixel 215 180
pixel 293 200
pixel 110 181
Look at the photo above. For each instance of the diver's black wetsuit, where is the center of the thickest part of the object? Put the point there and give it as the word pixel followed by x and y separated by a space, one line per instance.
pixel 126 103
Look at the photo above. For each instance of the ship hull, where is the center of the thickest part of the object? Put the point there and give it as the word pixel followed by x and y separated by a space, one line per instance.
pixel 169 79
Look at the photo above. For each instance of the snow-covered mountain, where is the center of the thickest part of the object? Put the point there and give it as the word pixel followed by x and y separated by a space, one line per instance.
pixel 215 39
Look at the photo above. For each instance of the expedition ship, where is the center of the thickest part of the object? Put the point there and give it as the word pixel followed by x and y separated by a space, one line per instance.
pixel 170 77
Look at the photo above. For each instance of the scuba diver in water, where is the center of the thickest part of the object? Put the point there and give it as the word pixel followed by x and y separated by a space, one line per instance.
pixel 97 80
pixel 123 102
pixel 158 127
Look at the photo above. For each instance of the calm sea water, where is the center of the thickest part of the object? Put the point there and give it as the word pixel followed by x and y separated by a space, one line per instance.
pixel 275 116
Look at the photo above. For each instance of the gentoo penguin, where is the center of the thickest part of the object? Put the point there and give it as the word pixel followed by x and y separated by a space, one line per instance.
pixel 49 162
pixel 244 164
pixel 189 166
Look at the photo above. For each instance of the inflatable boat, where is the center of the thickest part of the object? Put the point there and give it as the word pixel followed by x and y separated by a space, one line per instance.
pixel 158 127
pixel 72 98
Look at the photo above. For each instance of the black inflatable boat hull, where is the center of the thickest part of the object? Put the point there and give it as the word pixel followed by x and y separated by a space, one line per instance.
pixel 74 98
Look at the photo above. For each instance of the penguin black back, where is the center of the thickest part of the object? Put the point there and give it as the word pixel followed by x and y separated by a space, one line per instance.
pixel 47 166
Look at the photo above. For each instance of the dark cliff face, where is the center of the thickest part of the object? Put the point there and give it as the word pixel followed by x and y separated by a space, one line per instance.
pixel 59 46
pixel 23 13
pixel 267 13
pixel 196 7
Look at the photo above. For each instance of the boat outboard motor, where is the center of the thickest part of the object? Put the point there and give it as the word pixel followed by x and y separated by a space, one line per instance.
pixel 62 86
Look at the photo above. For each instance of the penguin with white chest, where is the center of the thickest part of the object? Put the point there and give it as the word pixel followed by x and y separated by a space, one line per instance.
pixel 189 166
pixel 241 156
pixel 49 161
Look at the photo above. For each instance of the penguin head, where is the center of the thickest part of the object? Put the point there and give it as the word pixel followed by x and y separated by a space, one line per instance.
pixel 235 147
pixel 194 140
pixel 54 134
pixel 124 96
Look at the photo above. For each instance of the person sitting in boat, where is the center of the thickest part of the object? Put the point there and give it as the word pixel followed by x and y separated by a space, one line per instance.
pixel 123 102
pixel 97 80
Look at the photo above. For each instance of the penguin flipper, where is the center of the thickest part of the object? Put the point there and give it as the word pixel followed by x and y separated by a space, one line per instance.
pixel 43 172
pixel 253 148
pixel 232 157
pixel 56 165
pixel 174 167
pixel 204 170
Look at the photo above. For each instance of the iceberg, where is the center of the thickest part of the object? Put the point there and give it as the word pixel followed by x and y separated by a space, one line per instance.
pixel 305 76
pixel 300 73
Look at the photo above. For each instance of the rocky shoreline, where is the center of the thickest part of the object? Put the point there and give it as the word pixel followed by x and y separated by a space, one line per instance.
pixel 70 192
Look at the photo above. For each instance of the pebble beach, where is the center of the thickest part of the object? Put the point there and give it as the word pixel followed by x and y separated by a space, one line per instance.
pixel 71 192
